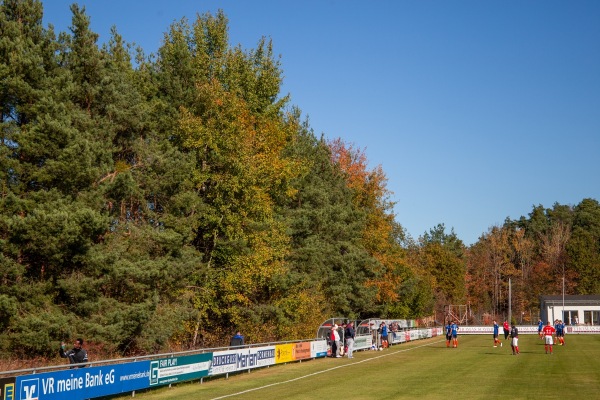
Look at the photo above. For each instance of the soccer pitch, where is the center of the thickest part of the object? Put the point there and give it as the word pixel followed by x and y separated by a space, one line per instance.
pixel 423 369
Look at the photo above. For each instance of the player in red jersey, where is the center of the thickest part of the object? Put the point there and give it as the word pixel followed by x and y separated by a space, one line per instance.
pixel 548 331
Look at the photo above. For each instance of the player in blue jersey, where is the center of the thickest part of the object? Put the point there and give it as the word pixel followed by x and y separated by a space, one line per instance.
pixel 560 333
pixel 455 333
pixel 496 340
pixel 540 327
pixel 448 334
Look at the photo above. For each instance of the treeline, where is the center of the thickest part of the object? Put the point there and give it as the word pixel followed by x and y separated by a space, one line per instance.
pixel 157 202
pixel 552 250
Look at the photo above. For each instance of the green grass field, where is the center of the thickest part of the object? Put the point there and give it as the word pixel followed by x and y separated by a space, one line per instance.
pixel 423 369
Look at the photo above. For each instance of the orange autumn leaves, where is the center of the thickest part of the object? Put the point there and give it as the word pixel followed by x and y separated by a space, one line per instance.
pixel 379 234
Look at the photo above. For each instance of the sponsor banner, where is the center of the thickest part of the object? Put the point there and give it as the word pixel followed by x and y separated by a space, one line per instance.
pixel 477 330
pixel 176 369
pixel 301 350
pixel 583 329
pixel 318 348
pixel 484 330
pixel 7 388
pixel 227 361
pixel 363 342
pixel 527 329
pixel 414 334
pixel 284 353
pixel 397 337
pixel 423 333
pixel 264 355
pixel 84 383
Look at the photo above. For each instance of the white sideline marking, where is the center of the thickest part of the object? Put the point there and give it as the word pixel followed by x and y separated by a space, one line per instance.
pixel 322 372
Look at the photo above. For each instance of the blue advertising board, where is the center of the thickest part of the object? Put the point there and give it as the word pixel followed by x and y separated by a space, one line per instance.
pixel 84 383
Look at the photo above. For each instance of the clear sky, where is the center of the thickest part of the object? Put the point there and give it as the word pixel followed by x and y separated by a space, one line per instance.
pixel 476 110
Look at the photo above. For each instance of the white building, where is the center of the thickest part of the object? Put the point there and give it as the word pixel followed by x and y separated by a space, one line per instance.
pixel 572 310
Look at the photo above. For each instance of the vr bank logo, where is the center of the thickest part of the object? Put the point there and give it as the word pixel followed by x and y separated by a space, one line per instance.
pixel 29 389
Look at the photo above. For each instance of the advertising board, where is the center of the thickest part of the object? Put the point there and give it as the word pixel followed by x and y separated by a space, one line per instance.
pixel 84 383
pixel 227 361
pixel 7 388
pixel 176 369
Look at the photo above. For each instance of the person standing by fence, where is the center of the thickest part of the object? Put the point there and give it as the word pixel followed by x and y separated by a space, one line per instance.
pixel 237 340
pixel 336 342
pixel 77 355
pixel 350 333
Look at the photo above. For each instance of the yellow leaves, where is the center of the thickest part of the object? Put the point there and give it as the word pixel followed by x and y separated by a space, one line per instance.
pixel 232 141
pixel 371 194
pixel 251 273
pixel 242 168
pixel 306 306
pixel 121 166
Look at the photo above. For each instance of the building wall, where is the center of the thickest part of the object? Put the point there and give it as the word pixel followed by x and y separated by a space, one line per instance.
pixel 572 314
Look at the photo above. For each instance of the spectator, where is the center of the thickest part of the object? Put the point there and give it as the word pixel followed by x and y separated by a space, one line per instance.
pixel 77 355
pixel 350 333
pixel 336 342
pixel 237 340
pixel 342 332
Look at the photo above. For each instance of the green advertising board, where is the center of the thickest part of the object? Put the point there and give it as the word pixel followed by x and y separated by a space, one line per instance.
pixel 177 369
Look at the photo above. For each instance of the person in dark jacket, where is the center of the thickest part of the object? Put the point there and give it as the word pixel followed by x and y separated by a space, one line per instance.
pixel 237 340
pixel 349 334
pixel 77 355
pixel 514 342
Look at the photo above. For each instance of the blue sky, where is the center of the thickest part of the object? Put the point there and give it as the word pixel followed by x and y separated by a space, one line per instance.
pixel 476 110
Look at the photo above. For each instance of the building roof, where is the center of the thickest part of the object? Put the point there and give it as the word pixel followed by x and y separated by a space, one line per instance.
pixel 581 299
